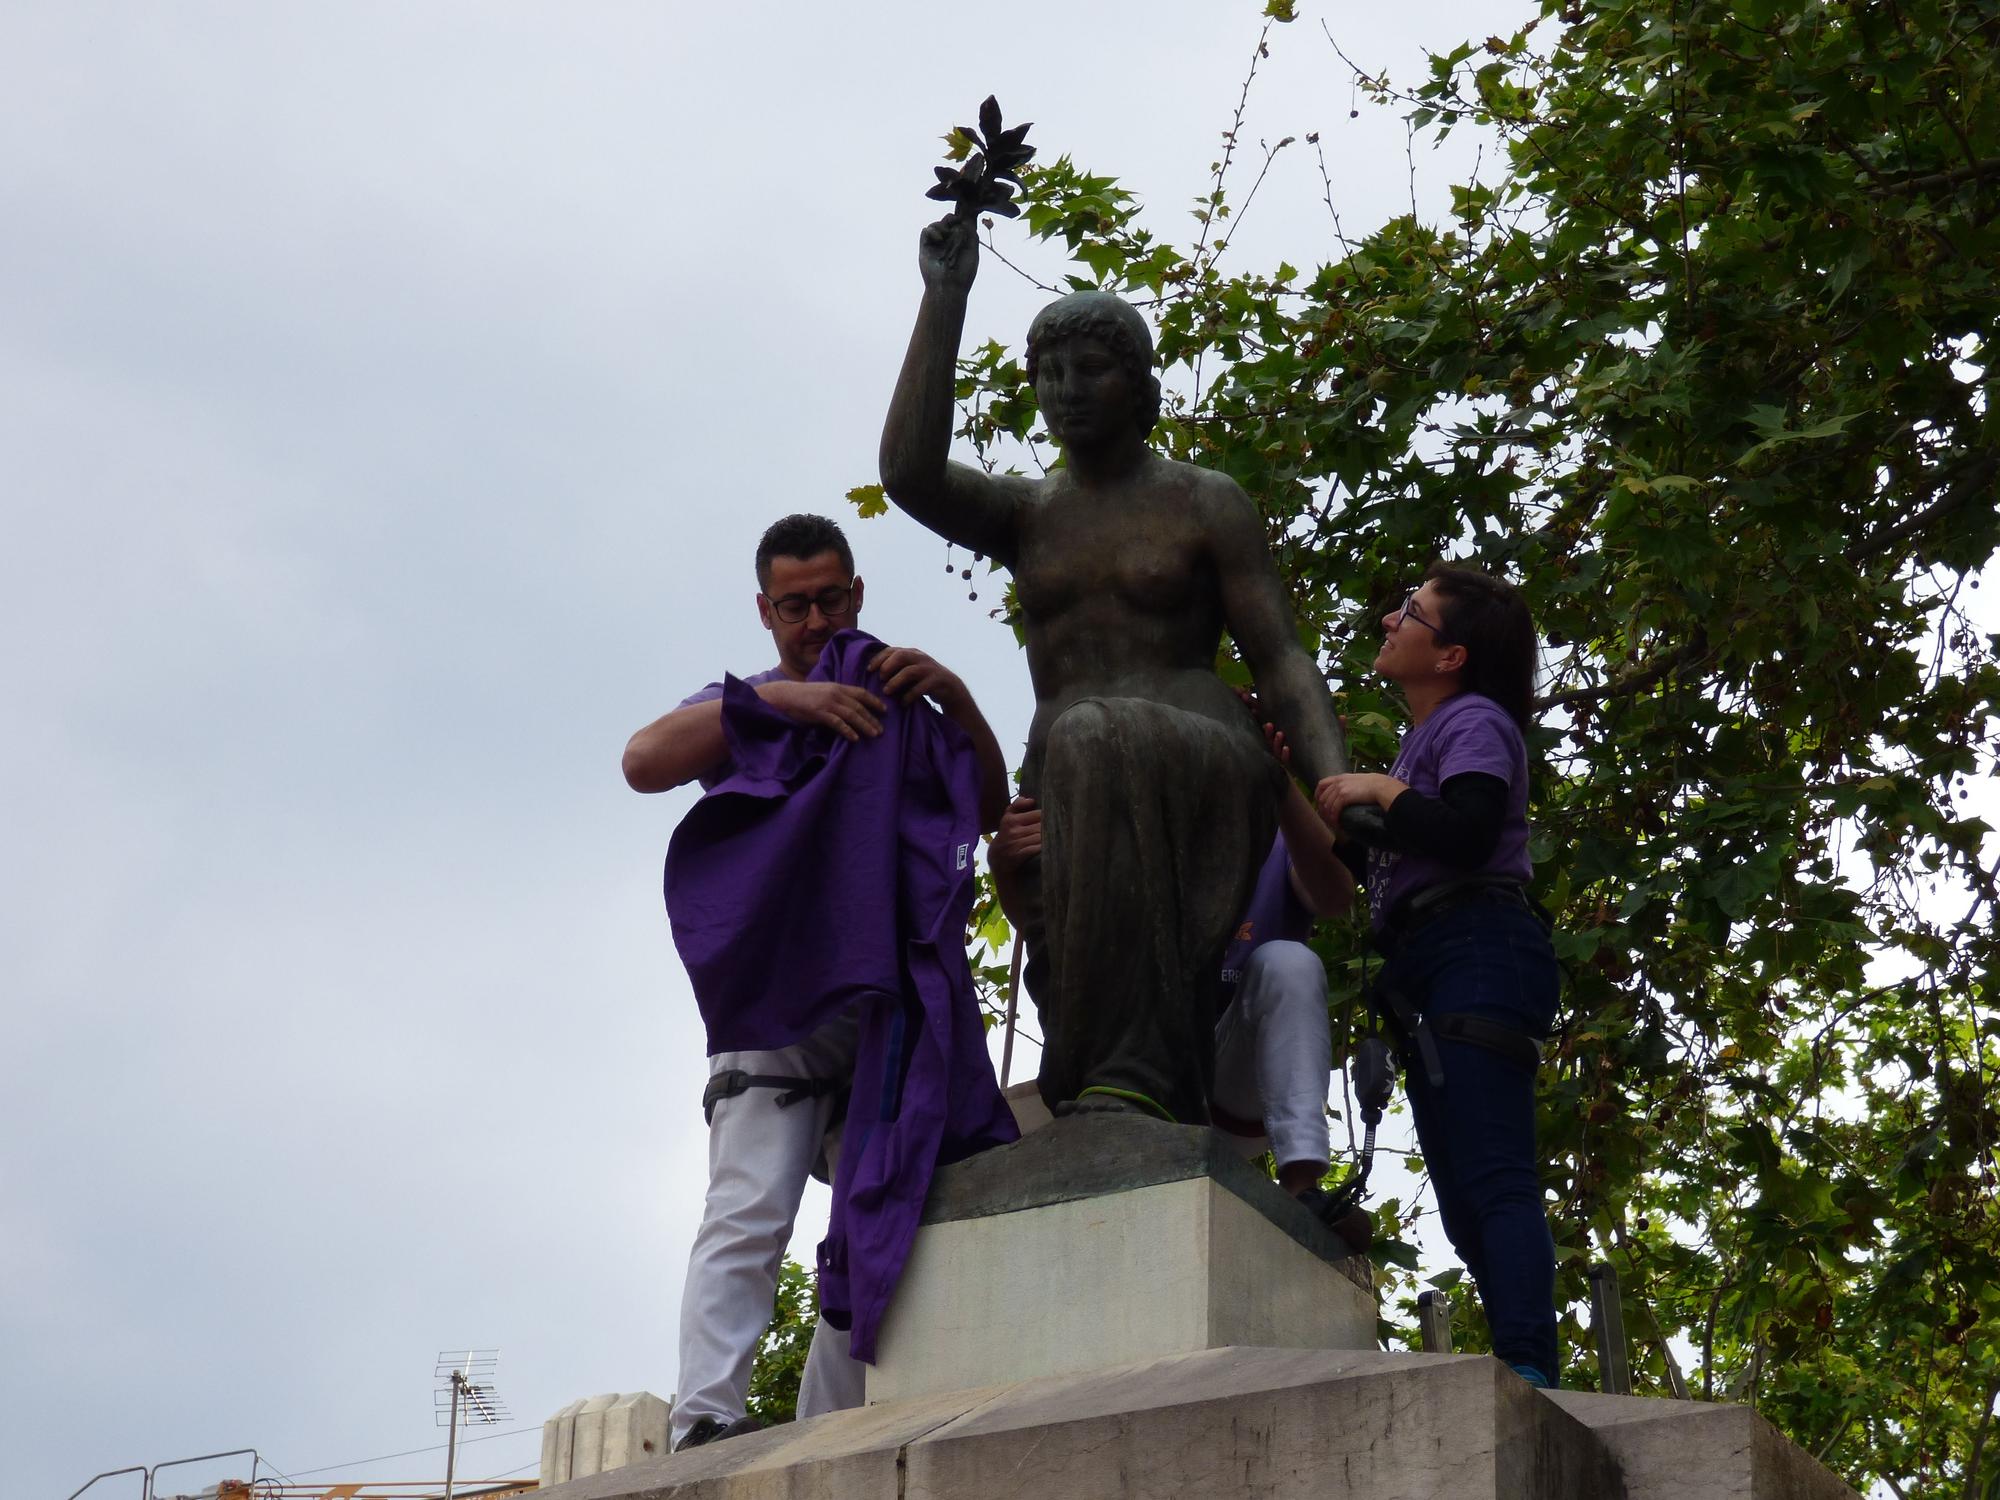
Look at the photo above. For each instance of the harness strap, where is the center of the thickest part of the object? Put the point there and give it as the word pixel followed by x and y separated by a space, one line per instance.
pixel 1515 1046
pixel 733 1081
pixel 1420 906
pixel 1417 1035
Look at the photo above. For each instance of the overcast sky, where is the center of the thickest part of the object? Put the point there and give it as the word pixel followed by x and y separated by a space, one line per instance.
pixel 391 396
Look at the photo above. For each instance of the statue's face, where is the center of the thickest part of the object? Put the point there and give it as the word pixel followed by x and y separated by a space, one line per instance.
pixel 1086 393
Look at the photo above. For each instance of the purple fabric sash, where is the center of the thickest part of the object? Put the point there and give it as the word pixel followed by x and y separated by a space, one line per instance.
pixel 824 873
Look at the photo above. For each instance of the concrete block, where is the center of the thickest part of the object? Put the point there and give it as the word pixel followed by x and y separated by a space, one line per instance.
pixel 1167 1269
pixel 1697 1450
pixel 1103 1240
pixel 600 1433
pixel 558 1441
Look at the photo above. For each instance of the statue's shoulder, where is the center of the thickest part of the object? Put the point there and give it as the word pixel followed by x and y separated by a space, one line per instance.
pixel 1221 498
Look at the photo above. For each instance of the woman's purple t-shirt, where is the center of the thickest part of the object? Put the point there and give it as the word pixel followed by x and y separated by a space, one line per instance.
pixel 1466 733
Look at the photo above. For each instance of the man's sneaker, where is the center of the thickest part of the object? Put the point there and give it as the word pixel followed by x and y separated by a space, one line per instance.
pixel 705 1430
pixel 708 1430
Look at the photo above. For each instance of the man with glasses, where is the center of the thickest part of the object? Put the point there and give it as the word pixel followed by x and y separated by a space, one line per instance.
pixel 770 1110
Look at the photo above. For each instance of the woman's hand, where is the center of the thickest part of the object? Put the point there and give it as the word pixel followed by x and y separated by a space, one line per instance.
pixel 1018 839
pixel 1356 789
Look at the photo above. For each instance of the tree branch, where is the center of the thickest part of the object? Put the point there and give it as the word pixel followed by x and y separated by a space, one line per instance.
pixel 1978 473
pixel 1979 1442
pixel 1632 682
pixel 1925 182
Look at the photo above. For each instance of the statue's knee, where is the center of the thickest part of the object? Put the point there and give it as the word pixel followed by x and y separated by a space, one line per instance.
pixel 1078 732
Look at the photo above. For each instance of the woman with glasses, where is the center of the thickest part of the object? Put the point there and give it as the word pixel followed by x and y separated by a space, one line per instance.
pixel 1470 978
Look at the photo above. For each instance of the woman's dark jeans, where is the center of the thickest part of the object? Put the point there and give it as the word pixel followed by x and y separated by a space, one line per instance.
pixel 1490 960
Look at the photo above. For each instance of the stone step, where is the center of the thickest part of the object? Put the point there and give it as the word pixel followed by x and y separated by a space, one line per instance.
pixel 1250 1424
pixel 1666 1450
pixel 1219 1424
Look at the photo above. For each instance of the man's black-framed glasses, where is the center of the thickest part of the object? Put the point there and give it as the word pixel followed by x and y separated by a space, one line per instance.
pixel 1408 610
pixel 831 601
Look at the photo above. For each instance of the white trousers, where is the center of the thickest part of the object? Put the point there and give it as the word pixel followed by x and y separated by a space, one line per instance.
pixel 759 1156
pixel 1274 1054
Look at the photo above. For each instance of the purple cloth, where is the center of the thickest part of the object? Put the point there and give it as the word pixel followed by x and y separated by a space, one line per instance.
pixel 1274 912
pixel 721 769
pixel 1469 732
pixel 824 873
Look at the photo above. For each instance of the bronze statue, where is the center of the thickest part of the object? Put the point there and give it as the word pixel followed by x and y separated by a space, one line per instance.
pixel 1156 789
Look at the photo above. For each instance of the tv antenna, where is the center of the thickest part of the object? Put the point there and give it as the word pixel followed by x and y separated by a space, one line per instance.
pixel 465 1398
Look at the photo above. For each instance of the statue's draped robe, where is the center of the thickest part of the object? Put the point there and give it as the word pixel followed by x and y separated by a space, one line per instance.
pixel 1154 823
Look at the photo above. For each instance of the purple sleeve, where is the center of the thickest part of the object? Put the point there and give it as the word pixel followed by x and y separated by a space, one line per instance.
pixel 707 695
pixel 1481 740
pixel 714 690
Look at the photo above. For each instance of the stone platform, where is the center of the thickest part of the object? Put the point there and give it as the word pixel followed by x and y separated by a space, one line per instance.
pixel 1113 1307
pixel 1249 1424
pixel 1106 1239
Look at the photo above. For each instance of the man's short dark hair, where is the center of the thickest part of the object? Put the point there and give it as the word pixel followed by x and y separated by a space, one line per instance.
pixel 801 536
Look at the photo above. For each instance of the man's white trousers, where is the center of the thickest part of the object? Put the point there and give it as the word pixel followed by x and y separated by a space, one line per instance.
pixel 759 1156
pixel 1274 1053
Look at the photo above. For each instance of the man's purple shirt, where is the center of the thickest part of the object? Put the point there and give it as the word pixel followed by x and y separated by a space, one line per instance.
pixel 820 874
pixel 1468 732
pixel 709 694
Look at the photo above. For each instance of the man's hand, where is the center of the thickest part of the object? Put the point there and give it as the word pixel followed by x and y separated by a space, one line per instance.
pixel 1019 838
pixel 1356 789
pixel 948 253
pixel 908 674
pixel 850 711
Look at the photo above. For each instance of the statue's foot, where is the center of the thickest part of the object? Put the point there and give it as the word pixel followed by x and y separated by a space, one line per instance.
pixel 1102 1104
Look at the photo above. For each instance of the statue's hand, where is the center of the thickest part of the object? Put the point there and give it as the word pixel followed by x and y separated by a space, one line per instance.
pixel 948 253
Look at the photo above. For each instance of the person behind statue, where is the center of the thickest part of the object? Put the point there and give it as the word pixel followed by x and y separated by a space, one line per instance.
pixel 764 1139
pixel 1471 978
pixel 1157 797
pixel 1273 1045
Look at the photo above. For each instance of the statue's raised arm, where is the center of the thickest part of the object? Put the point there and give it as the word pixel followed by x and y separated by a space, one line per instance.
pixel 1157 796
pixel 961 503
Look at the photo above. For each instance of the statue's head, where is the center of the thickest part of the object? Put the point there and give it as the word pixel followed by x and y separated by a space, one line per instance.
pixel 1082 319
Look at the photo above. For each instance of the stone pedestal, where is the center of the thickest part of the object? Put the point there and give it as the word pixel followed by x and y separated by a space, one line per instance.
pixel 1122 1309
pixel 1107 1239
